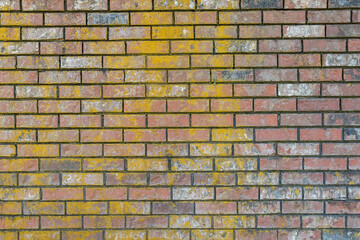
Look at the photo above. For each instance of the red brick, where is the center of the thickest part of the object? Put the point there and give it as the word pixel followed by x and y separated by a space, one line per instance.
pixel 275 134
pixel 280 163
pixel 297 60
pixel 318 104
pixel 320 134
pixel 256 120
pixel 213 120
pixel 284 16
pixel 269 105
pixel 298 149
pixel 325 163
pixel 338 16
pixel 43 5
pixel 278 221
pixel 317 74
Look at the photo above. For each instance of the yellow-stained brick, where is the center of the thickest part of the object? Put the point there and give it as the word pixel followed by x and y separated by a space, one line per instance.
pixel 172 32
pixel 82 179
pixel 218 4
pixel 202 149
pixel 58 135
pixel 16 194
pixel 86 208
pixel 125 234
pixel 7 179
pixel 37 62
pixel 214 179
pixel 169 234
pixel 185 46
pixel 19 222
pixel 85 33
pixel 108 47
pixel 79 91
pixel 44 208
pixel 38 150
pixel 51 222
pixel 36 92
pixel 9 33
pixel 9 235
pixel 235 164
pixel 101 222
pixel 104 135
pixel 189 164
pixel 216 32
pixel 82 235
pixel 212 234
pixel 39 235
pixel 140 164
pixel 117 62
pixel 166 90
pixel 153 76
pixel 230 46
pixel 17 135
pixel 211 60
pixel 174 5
pixel 18 165
pixel 151 18
pixel 103 164
pixel 129 208
pixel 21 19
pixel 10 208
pixel 147 47
pixel 168 61
pixel 39 179
pixel 231 134
pixel 203 17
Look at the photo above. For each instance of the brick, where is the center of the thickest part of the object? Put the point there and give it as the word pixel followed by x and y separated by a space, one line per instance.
pixel 202 149
pixel 215 32
pixel 184 164
pixel 295 4
pixel 325 163
pixel 353 45
pixel 250 149
pixel 124 120
pixel 247 17
pixel 79 150
pixel 116 5
pixel 255 90
pixel 184 221
pixel 116 62
pixel 44 179
pixel 301 234
pixel 104 47
pixel 274 75
pixel 265 207
pixel 101 106
pixel 8 179
pixel 103 76
pixel 151 18
pixel 256 120
pixel 32 121
pixel 258 234
pixel 62 194
pixel 103 222
pixel 324 45
pixel 117 33
pixel 37 62
pixel 80 62
pixel 351 30
pixel 317 74
pixel 54 164
pixel 316 134
pixel 54 208
pixel 151 76
pixel 170 179
pixel 341 119
pixel 284 17
pixel 147 47
pixel 19 164
pixel 265 105
pixel 259 31
pixel 341 4
pixel 236 193
pixel 108 193
pixel 10 208
pixel 43 5
pixel 65 19
pixel 73 208
pixel 329 16
pixel 248 60
pixel 234 221
pixel 278 221
pixel 334 193
pixel 18 48
pixel 260 178
pixel 123 91
pixel 212 234
pixel 9 33
pixel 235 164
pixel 204 61
pixel 70 235
pixel 298 149
pixel 105 135
pixel 48 222
pixel 21 19
pixel 298 89
pixel 183 4
pixel 299 60
pixel 80 121
pixel 108 19
pixel 318 104
pixel 225 46
pixel 8 6
pixel 124 150
pixel 19 222
pixel 103 164
pixel 82 33
pixel 279 46
pixel 207 120
pixel 38 150
pixel 280 193
pixel 54 33
pixel 191 46
pixel 274 134
pixel 19 194
pixel 149 194
pixel 303 31
pixel 129 207
pixel 233 75
pixel 195 18
pixel 123 234
pixel 82 179
pixel 74 5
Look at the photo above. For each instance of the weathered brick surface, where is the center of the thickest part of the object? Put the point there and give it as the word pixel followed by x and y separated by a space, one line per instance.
pixel 186 119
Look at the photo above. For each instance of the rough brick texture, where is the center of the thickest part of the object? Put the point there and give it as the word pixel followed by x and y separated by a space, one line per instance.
pixel 180 119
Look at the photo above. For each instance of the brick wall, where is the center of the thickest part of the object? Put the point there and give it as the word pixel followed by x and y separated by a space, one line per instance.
pixel 180 119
